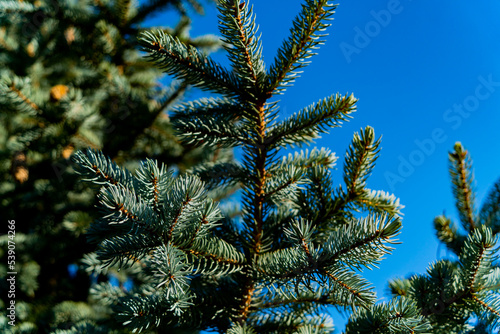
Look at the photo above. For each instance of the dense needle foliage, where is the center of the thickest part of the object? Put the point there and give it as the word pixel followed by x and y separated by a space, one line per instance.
pixel 71 77
pixel 298 242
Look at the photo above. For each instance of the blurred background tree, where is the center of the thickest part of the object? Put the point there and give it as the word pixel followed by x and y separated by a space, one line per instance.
pixel 72 76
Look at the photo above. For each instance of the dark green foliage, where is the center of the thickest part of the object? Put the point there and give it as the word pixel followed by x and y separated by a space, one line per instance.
pixel 297 244
pixel 400 316
pixel 71 77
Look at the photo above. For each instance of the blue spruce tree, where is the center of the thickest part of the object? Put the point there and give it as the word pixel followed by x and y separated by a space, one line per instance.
pixel 296 245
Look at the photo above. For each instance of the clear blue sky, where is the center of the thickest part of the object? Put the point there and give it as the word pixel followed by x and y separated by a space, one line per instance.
pixel 429 72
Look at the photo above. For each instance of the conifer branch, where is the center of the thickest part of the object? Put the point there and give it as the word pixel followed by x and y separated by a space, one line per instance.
pixel 398 316
pixel 221 109
pixel 474 275
pixel 221 174
pixel 305 125
pixel 122 10
pixel 206 130
pixel 316 201
pixel 362 243
pixel 208 122
pixel 13 6
pixel 153 181
pixel 447 232
pixel 277 322
pixel 189 64
pixel 126 250
pixel 489 214
pixel 124 208
pixel 305 298
pixel 476 257
pixel 486 306
pixel 203 222
pixel 100 169
pixel 100 174
pixel 461 176
pixel 281 187
pixel 24 98
pixel 355 294
pixel 310 159
pixel 284 181
pixel 379 202
pixel 277 264
pixel 246 302
pixel 259 187
pixel 399 287
pixel 242 43
pixel 214 257
pixel 260 154
pixel 176 94
pixel 304 38
pixel 156 193
pixel 184 205
pixel 359 162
